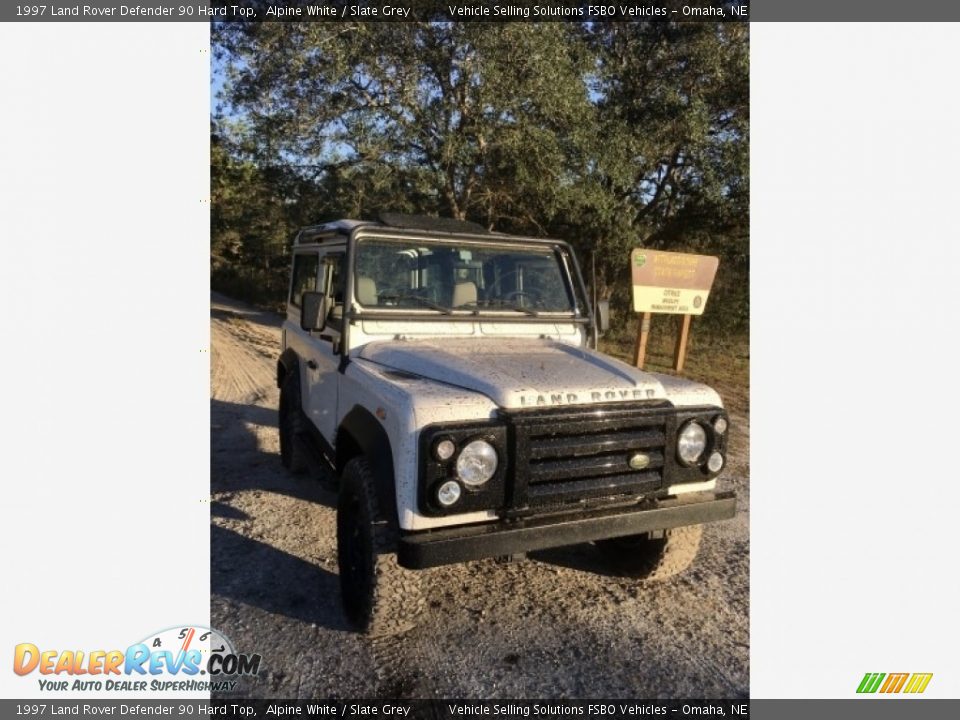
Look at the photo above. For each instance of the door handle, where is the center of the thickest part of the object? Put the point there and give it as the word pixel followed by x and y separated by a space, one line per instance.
pixel 312 364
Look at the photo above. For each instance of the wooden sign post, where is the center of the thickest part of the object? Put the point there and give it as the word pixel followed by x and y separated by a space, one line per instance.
pixel 671 283
pixel 680 353
pixel 643 333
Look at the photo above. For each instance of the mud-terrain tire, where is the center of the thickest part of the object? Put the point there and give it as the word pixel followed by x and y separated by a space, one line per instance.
pixel 290 424
pixel 379 597
pixel 653 558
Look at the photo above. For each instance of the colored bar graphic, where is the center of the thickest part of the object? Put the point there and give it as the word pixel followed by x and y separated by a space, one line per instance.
pixel 870 682
pixel 894 682
pixel 918 682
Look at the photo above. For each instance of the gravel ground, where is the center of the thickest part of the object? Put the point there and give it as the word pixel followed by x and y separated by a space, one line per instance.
pixel 558 624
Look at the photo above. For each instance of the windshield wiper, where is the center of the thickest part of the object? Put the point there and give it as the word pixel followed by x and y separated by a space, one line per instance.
pixel 497 305
pixel 518 308
pixel 422 300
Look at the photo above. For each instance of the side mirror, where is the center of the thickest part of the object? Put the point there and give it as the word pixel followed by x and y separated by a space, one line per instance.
pixel 313 311
pixel 603 315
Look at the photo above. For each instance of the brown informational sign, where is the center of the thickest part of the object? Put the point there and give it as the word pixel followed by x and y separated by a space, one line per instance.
pixel 666 282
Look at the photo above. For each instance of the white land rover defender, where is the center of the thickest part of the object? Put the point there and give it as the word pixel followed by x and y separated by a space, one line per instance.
pixel 445 373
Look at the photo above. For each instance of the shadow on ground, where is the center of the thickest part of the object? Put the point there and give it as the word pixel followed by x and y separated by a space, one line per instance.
pixel 233 437
pixel 254 573
pixel 584 557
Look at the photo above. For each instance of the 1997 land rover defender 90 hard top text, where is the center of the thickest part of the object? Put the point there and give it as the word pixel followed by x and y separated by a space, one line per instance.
pixel 445 373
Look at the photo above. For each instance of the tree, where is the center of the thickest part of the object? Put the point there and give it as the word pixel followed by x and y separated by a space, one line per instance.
pixel 610 135
pixel 674 107
pixel 465 116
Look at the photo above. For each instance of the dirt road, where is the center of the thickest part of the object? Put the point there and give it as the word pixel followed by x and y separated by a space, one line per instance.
pixel 555 625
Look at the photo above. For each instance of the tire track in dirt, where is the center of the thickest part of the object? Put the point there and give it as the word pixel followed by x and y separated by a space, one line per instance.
pixel 239 367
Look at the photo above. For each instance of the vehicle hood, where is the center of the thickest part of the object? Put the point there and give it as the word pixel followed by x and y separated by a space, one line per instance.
pixel 519 373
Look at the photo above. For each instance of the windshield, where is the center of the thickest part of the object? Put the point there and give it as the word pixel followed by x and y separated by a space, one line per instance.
pixel 448 276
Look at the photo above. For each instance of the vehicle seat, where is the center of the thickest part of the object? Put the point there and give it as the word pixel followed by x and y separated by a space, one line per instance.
pixel 464 293
pixel 366 291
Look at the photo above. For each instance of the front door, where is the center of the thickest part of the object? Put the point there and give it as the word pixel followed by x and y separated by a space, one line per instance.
pixel 321 372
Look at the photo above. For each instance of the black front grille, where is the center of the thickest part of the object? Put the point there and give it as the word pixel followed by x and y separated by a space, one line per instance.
pixel 582 453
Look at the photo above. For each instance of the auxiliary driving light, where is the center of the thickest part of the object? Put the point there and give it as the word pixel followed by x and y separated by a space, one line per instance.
pixel 444 449
pixel 448 493
pixel 715 462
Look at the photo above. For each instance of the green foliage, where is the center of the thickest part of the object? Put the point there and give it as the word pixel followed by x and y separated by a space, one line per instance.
pixel 609 135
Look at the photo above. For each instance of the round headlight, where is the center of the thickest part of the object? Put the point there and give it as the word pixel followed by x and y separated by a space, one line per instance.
pixel 448 493
pixel 691 443
pixel 715 463
pixel 720 425
pixel 444 449
pixel 476 463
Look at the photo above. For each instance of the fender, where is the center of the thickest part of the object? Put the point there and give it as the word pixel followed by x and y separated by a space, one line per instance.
pixel 361 433
pixel 288 361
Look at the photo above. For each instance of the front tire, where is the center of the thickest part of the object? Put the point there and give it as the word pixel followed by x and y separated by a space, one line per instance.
pixel 380 598
pixel 653 557
pixel 290 424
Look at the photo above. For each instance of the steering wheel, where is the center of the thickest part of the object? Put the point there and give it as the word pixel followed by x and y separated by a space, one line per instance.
pixel 387 297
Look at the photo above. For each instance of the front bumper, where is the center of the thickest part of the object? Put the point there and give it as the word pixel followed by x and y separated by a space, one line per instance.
pixel 473 542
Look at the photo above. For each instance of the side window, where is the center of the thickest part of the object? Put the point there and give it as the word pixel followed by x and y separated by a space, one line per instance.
pixel 334 272
pixel 336 278
pixel 305 268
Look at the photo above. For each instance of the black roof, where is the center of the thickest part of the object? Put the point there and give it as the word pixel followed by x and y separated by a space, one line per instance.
pixel 431 224
pixel 424 223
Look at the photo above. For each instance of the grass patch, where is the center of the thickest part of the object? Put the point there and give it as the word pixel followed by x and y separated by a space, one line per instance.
pixel 721 361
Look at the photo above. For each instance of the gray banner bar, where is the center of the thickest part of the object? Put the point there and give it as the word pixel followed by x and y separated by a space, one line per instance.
pixel 874 708
pixel 378 11
pixel 482 10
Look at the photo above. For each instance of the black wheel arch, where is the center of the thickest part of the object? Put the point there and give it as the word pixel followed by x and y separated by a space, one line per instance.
pixel 287 362
pixel 360 433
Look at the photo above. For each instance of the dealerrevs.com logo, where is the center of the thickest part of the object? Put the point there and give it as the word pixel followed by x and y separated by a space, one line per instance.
pixel 911 683
pixel 182 659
